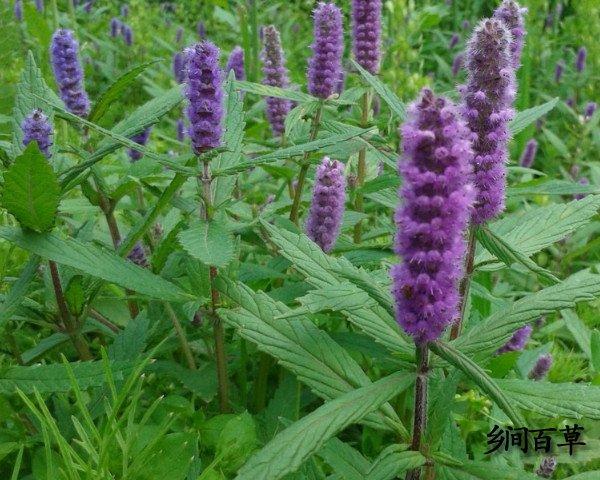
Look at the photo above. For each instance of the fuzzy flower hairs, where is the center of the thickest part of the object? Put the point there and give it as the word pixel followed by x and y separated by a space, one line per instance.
pixel 432 217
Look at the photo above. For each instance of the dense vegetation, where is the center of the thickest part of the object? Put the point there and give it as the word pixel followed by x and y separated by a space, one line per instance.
pixel 261 239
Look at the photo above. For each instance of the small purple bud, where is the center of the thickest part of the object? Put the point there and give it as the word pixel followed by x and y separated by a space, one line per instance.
pixel 466 25
pixel 36 127
pixel 138 255
pixel 141 139
pixel 327 205
pixel 275 75
pixel 432 218
pixel 541 367
pixel 454 39
pixel 39 5
pixel 570 102
pixel 351 180
pixel 558 71
pixel 366 34
pixel 115 27
pixel 539 323
pixel 127 35
pixel 517 341
pixel 179 67
pixel 179 35
pixel 511 14
pixel 87 8
pixel 18 10
pixel 581 58
pixel 125 10
pixel 590 109
pixel 528 155
pixel 582 181
pixel 201 30
pixel 457 63
pixel 339 87
pixel 547 467
pixel 235 62
pixel 68 73
pixel 325 65
pixel 204 93
pixel 574 171
pixel 180 130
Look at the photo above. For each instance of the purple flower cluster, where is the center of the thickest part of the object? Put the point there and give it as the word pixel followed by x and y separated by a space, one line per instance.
pixel 366 34
pixel 325 65
pixel 275 75
pixel 518 341
pixel 547 467
pixel 487 108
pixel 454 39
pixel 457 63
pixel 528 155
pixel 68 72
pixel 204 92
pixel 580 60
pixel 141 139
pixel 180 130
pixel 179 67
pixel 511 14
pixel 432 218
pixel 18 10
pixel 235 62
pixel 327 205
pixel 558 71
pixel 39 5
pixel 127 35
pixel 541 367
pixel 115 27
pixel 138 255
pixel 590 109
pixel 36 127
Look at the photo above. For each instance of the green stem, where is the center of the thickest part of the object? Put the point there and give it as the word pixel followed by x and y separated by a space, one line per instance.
pixel 362 166
pixel 420 411
pixel 185 346
pixel 261 382
pixel 465 284
pixel 304 168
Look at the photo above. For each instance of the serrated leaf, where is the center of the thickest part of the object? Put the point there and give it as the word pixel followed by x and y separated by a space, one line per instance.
pixel 571 400
pixel 481 470
pixel 31 191
pixel 478 375
pixel 268 91
pixel 581 333
pixel 131 341
pixel 487 336
pixel 55 377
pixel 556 142
pixel 539 228
pixel 113 92
pixel 595 350
pixel 17 293
pixel 551 187
pixel 96 262
pixel 526 117
pixel 290 448
pixel 345 461
pixel 209 242
pixel 299 346
pixel 30 87
pixel 393 461
pixel 383 91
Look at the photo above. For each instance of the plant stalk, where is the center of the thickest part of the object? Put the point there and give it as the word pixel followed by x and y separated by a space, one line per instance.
pixel 304 167
pixel 362 165
pixel 185 346
pixel 465 284
pixel 420 414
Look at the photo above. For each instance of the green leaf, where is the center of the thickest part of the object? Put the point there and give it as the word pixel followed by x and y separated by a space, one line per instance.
pixel 538 228
pixel 478 375
pixel 96 262
pixel 290 448
pixel 236 442
pixel 571 400
pixel 17 293
pixel 131 341
pixel 299 346
pixel 171 457
pixel 551 187
pixel 31 191
pixel 556 142
pixel 268 91
pixel 209 242
pixel 383 91
pixel 30 87
pixel 482 470
pixel 487 336
pixel 509 255
pixel 114 90
pixel 595 350
pixel 55 377
pixel 393 461
pixel 344 460
pixel 579 330
pixel 526 117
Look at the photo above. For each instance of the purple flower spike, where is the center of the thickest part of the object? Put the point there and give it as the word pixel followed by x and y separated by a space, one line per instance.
pixel 511 13
pixel 432 218
pixel 36 127
pixel 487 108
pixel 201 30
pixel 236 63
pixel 541 367
pixel 68 72
pixel 205 96
pixel 581 58
pixel 466 25
pixel 125 11
pixel 138 255
pixel 547 467
pixel 457 63
pixel 558 71
pixel 517 341
pixel 179 35
pixel 141 139
pixel 325 65
pixel 18 10
pixel 529 152
pixel 590 109
pixel 179 67
pixel 366 34
pixel 454 39
pixel 275 75
pixel 115 27
pixel 127 35
pixel 180 130
pixel 39 5
pixel 327 205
